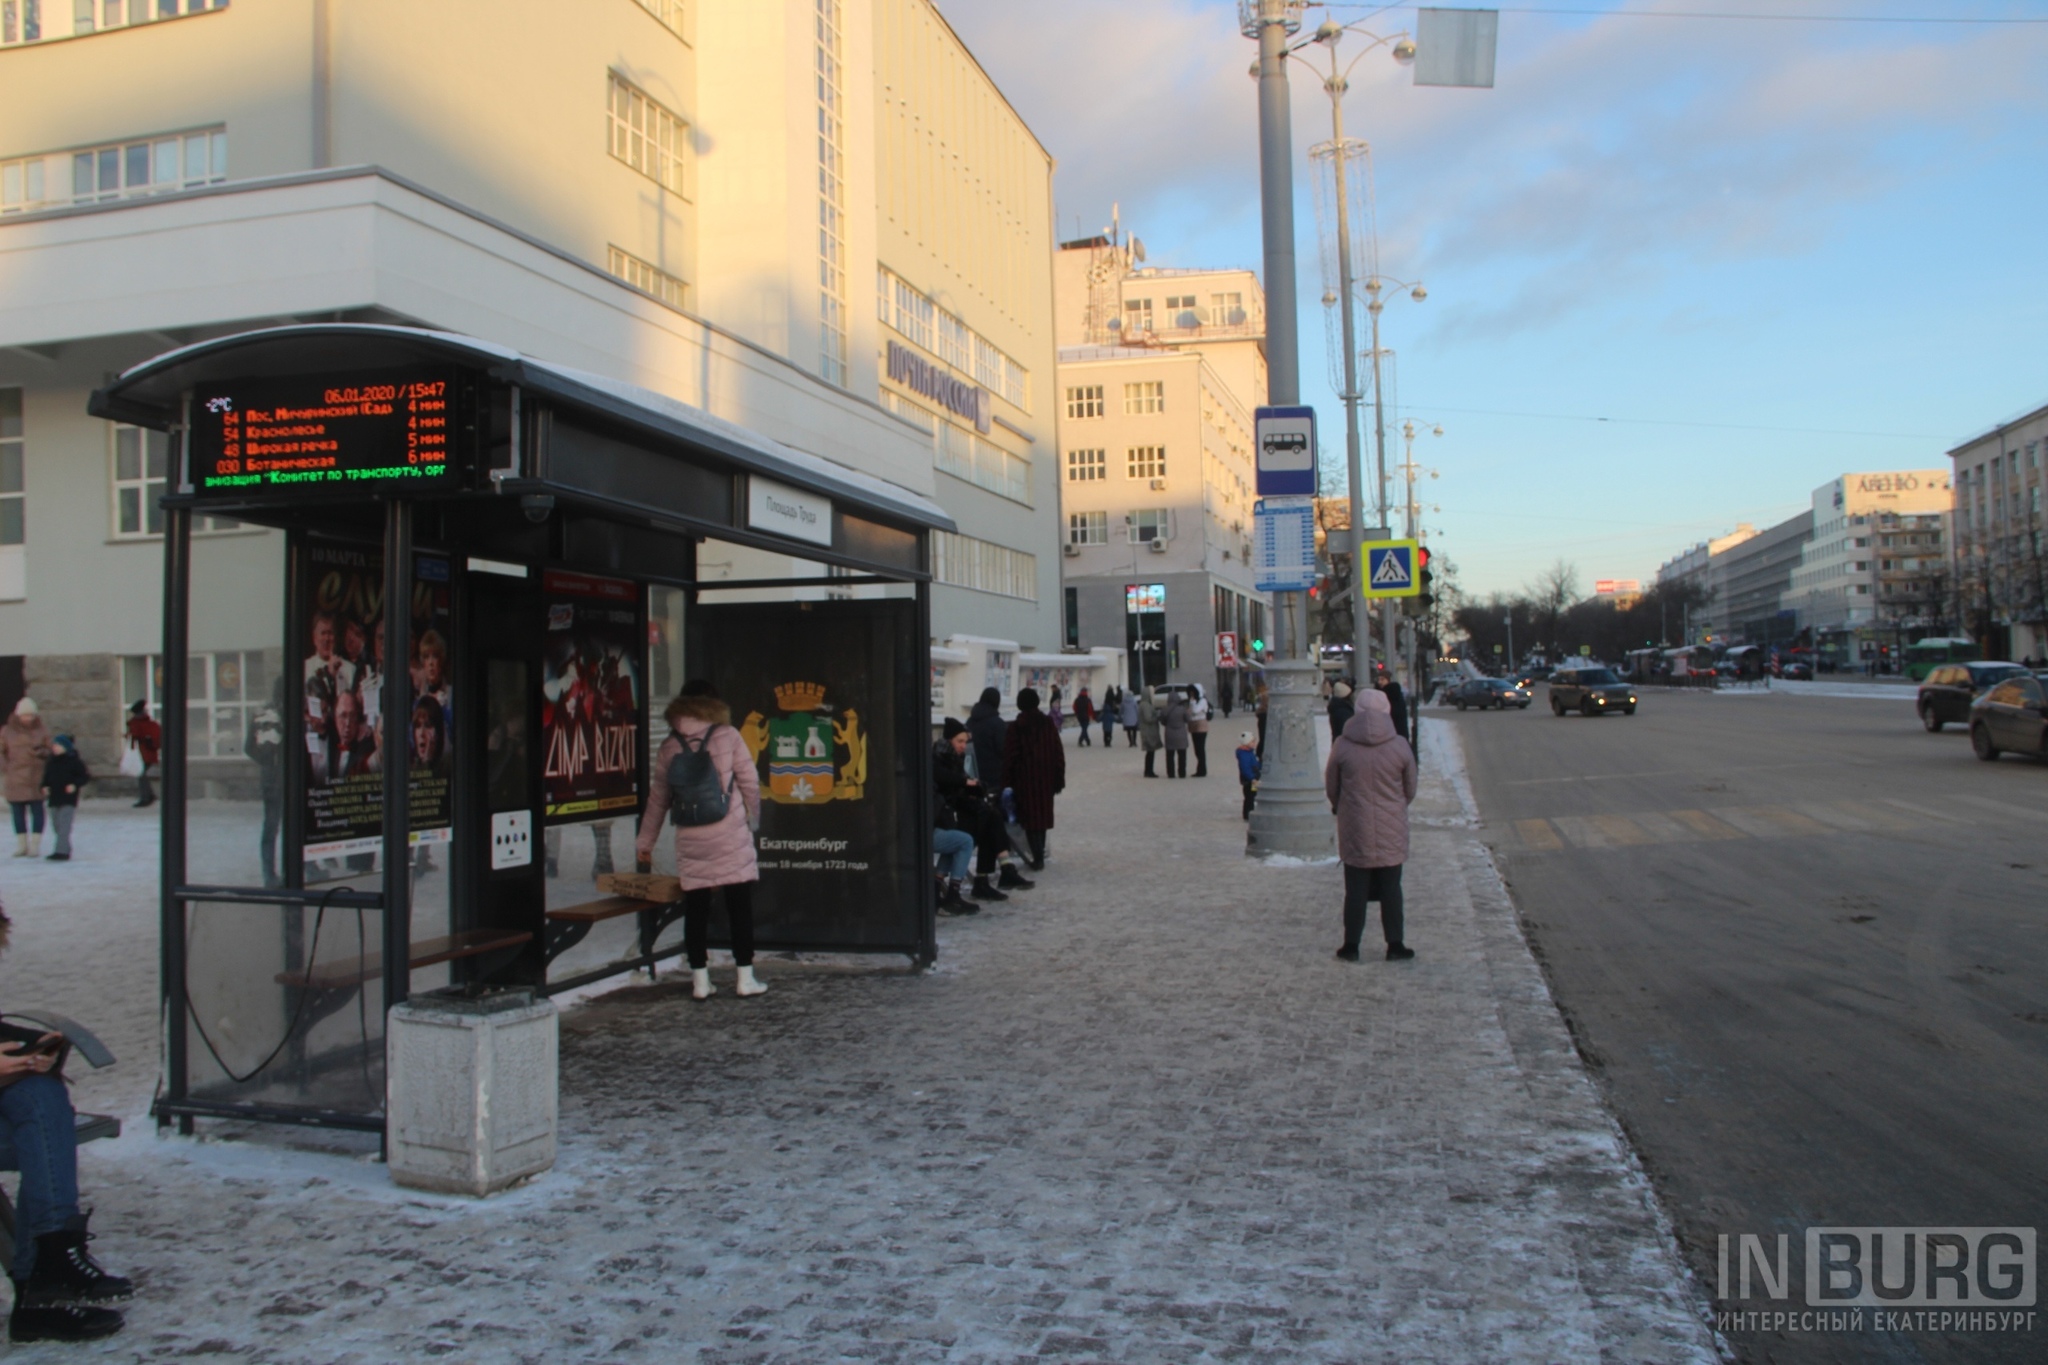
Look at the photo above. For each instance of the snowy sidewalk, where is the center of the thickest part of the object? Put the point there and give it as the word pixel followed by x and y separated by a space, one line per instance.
pixel 1139 1113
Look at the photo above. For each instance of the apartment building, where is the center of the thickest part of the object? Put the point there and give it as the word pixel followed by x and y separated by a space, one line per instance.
pixel 697 198
pixel 1159 374
pixel 1837 594
pixel 2000 561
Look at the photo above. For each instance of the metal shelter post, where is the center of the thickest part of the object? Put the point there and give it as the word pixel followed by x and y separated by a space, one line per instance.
pixel 396 701
pixel 177 642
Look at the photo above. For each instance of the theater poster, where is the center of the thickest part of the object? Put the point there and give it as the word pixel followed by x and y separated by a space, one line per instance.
pixel 344 675
pixel 592 697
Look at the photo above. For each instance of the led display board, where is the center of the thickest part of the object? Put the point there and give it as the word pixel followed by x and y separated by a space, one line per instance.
pixel 325 433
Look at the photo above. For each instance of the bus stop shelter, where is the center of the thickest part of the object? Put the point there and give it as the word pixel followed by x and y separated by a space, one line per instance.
pixel 424 593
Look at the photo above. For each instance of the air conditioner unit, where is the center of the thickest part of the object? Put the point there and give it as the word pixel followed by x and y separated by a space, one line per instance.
pixel 1071 550
pixel 1158 484
pixel 1158 547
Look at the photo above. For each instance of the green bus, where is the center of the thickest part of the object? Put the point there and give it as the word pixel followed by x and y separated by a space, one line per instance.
pixel 1923 655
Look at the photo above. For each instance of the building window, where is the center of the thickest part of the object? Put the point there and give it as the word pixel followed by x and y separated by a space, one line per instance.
pixel 1137 315
pixel 669 13
pixel 832 317
pixel 1143 399
pixel 1088 528
pixel 118 170
pixel 900 305
pixel 1073 603
pixel 648 279
pixel 1150 524
pixel 1145 462
pixel 1180 311
pixel 1085 401
pixel 1226 309
pixel 142 461
pixel 648 137
pixel 222 690
pixel 984 566
pixel 967 456
pixel 23 21
pixel 1087 466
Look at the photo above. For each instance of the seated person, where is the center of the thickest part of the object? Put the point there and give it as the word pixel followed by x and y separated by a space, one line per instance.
pixel 56 1280
pixel 952 845
pixel 957 778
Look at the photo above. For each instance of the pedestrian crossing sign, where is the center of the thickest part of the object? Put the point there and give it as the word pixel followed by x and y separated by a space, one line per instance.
pixel 1390 568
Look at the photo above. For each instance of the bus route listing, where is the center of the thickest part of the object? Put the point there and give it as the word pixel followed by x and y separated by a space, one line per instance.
pixel 355 432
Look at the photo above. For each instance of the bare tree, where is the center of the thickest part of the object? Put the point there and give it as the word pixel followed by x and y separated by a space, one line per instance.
pixel 1555 589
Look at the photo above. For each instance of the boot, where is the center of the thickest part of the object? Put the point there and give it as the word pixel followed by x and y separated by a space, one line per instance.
pixel 21 845
pixel 747 985
pixel 35 845
pixel 950 902
pixel 1010 879
pixel 1399 952
pixel 984 892
pixel 66 1272
pixel 700 983
pixel 72 1322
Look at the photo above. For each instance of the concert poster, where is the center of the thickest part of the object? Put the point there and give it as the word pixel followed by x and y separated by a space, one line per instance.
pixel 591 696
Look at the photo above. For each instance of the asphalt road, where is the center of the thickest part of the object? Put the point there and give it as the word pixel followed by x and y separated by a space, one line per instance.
pixel 1804 945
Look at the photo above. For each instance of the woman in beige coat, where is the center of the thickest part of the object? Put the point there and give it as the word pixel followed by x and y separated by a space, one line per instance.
pixel 1370 781
pixel 714 857
pixel 24 747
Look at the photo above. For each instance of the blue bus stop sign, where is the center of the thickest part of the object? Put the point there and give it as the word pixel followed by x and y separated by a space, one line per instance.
pixel 1286 440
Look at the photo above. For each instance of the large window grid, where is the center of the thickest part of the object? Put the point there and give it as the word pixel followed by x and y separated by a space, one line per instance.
pixel 984 566
pixel 142 461
pixel 1149 524
pixel 1084 401
pixel 1145 399
pixel 1088 528
pixel 222 690
pixel 647 136
pixel 117 170
pixel 906 308
pixel 1145 462
pixel 967 456
pixel 1137 315
pixel 648 279
pixel 670 13
pixel 1087 466
pixel 832 318
pixel 40 21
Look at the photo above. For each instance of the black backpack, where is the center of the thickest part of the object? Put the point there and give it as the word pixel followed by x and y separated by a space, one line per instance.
pixel 694 796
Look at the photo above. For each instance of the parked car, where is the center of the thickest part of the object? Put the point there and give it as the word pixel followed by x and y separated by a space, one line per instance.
pixel 1499 693
pixel 1536 673
pixel 1797 669
pixel 1591 691
pixel 2013 715
pixel 1949 690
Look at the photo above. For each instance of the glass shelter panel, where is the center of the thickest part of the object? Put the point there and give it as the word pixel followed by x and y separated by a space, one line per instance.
pixel 237 738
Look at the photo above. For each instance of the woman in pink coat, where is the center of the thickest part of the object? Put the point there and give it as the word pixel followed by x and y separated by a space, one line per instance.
pixel 1370 780
pixel 714 857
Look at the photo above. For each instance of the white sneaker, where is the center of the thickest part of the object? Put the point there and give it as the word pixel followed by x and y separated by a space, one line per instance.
pixel 747 985
pixel 700 983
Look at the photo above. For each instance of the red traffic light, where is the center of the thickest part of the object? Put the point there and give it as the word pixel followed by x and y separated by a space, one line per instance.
pixel 1422 557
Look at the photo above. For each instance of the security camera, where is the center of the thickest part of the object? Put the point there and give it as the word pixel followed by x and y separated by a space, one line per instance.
pixel 537 506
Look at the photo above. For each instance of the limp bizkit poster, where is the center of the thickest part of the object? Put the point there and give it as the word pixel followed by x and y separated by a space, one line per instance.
pixel 344 674
pixel 590 697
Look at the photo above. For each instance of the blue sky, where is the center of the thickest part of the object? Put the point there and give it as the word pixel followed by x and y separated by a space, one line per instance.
pixel 1767 252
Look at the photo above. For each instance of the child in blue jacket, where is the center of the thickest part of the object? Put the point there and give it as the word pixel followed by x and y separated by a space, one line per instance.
pixel 1248 770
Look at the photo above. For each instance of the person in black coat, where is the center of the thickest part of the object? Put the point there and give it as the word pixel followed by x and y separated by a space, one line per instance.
pixel 64 779
pixel 961 801
pixel 986 727
pixel 1341 707
pixel 1397 701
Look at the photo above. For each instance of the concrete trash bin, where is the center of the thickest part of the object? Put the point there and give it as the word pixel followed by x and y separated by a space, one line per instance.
pixel 470 1105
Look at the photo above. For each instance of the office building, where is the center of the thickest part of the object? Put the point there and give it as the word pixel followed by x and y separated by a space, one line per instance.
pixel 1877 541
pixel 2000 561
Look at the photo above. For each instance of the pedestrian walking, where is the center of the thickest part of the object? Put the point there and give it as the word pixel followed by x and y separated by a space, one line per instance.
pixel 985 729
pixel 1248 770
pixel 24 748
pixel 1397 701
pixel 1198 727
pixel 1173 731
pixel 64 779
pixel 1056 712
pixel 1112 707
pixel 704 781
pixel 145 735
pixel 1036 764
pixel 1370 780
pixel 1341 706
pixel 264 746
pixel 1128 708
pixel 1084 715
pixel 1148 729
pixel 57 1283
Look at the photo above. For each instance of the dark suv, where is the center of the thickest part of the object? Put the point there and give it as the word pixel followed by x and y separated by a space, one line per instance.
pixel 1590 691
pixel 1950 688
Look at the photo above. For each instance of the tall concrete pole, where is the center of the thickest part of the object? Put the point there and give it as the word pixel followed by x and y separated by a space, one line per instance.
pixel 1292 817
pixel 1361 619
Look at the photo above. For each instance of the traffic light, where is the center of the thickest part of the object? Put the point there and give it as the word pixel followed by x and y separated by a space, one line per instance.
pixel 1424 598
pixel 1258 646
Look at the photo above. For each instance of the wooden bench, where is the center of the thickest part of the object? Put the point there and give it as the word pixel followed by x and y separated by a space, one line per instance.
pixel 349 972
pixel 658 901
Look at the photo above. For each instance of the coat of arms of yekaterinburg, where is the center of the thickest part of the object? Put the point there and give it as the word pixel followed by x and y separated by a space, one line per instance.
pixel 803 746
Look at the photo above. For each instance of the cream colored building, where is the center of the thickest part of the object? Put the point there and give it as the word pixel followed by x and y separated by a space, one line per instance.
pixel 1159 374
pixel 818 219
pixel 2000 562
pixel 1846 570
